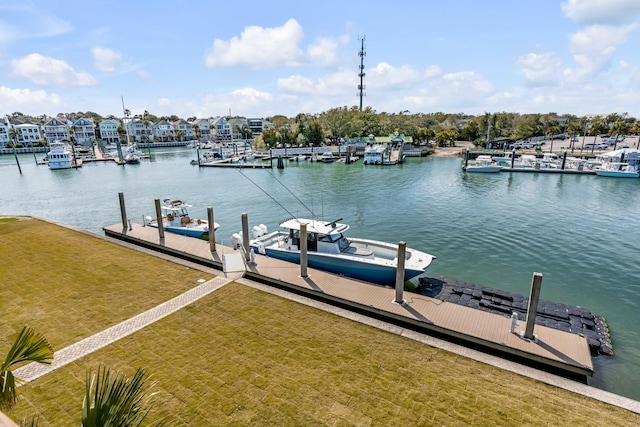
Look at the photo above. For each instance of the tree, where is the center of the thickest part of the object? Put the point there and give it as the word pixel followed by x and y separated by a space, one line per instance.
pixel 29 346
pixel 113 400
pixel 13 136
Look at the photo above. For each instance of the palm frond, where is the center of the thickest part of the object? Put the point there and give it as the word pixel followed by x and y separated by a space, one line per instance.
pixel 112 399
pixel 29 346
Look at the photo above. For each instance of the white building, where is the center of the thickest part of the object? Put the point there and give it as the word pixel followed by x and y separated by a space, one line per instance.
pixel 4 132
pixel 204 127
pixel 141 131
pixel 164 131
pixel 109 130
pixel 185 128
pixel 28 133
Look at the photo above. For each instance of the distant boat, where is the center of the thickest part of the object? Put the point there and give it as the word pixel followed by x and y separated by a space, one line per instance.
pixel 176 219
pixel 618 170
pixel 59 156
pixel 327 157
pixel 328 249
pixel 483 164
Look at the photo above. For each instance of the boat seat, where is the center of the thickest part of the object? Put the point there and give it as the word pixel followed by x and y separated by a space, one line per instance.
pixel 353 250
pixel 185 220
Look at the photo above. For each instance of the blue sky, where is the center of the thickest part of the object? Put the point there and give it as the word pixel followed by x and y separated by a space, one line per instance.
pixel 257 59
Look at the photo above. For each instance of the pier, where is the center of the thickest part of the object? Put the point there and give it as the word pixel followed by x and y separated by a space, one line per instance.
pixel 553 350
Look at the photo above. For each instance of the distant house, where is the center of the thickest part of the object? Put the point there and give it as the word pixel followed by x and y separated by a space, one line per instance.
pixel 109 131
pixel 138 129
pixel 257 126
pixel 56 130
pixel 4 132
pixel 223 128
pixel 185 128
pixel 84 131
pixel 164 131
pixel 204 129
pixel 28 133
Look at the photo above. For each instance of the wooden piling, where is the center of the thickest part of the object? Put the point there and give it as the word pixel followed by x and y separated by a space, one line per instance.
pixel 212 232
pixel 303 250
pixel 159 219
pixel 402 253
pixel 245 237
pixel 123 211
pixel 534 298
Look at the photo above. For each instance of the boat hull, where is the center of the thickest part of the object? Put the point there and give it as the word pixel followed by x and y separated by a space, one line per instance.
pixel 368 272
pixel 613 174
pixel 483 169
pixel 185 231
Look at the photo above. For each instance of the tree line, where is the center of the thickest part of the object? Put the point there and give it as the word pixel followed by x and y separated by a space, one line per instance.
pixel 338 125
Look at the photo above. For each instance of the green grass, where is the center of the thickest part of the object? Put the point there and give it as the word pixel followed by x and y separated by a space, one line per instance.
pixel 244 357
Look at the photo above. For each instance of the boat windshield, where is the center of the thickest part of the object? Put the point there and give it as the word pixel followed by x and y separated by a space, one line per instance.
pixel 330 238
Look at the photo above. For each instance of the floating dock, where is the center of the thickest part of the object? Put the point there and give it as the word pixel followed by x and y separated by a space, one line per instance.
pixel 556 351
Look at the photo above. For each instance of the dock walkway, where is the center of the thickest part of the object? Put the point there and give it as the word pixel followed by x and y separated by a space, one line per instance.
pixel 554 350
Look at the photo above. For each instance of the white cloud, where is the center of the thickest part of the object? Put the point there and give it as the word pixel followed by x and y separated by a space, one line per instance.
pixel 540 69
pixel 612 12
pixel 329 85
pixel 252 96
pixel 106 59
pixel 25 100
pixel 386 76
pixel 45 71
pixel 259 47
pixel 163 102
pixel 593 49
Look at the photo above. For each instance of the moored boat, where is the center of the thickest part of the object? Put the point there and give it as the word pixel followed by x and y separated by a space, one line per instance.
pixel 59 156
pixel 327 157
pixel 328 249
pixel 176 219
pixel 618 170
pixel 483 164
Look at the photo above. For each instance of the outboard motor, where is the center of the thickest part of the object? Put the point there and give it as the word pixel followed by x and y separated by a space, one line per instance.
pixel 236 241
pixel 256 231
pixel 263 229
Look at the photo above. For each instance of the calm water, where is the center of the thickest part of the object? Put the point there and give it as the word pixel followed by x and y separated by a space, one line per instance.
pixel 580 232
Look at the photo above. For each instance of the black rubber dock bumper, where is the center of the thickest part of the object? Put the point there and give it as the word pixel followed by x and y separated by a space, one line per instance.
pixel 555 315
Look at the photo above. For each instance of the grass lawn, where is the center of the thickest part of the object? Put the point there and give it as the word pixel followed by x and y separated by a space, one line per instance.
pixel 240 356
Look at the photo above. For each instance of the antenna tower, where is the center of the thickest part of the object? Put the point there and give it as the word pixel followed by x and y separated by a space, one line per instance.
pixel 361 74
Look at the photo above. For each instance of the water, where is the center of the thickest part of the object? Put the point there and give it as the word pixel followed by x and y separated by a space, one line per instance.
pixel 580 232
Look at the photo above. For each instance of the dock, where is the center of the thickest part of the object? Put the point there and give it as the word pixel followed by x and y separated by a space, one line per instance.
pixel 556 351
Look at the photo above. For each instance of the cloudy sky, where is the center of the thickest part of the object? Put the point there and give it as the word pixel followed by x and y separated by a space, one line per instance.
pixel 257 59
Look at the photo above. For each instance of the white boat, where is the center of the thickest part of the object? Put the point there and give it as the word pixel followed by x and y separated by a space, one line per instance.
pixel 483 164
pixel 59 156
pixel 327 157
pixel 328 249
pixel 618 170
pixel 298 158
pixel 375 154
pixel 176 219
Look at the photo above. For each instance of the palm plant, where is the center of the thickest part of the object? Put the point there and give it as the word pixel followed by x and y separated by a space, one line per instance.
pixel 113 400
pixel 29 346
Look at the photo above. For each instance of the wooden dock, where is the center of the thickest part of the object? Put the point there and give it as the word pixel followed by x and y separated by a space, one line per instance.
pixel 557 351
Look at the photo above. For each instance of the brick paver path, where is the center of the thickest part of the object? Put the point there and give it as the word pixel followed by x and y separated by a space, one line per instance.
pixel 95 342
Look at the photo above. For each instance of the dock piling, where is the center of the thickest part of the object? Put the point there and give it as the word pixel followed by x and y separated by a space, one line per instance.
pixel 123 211
pixel 534 298
pixel 159 219
pixel 303 251
pixel 466 159
pixel 212 232
pixel 245 237
pixel 402 251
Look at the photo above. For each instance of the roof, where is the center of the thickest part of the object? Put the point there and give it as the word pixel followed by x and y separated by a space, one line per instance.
pixel 315 226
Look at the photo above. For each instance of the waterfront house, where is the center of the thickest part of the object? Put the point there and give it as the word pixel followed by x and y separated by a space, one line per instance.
pixel 223 128
pixel 4 132
pixel 204 129
pixel 109 131
pixel 28 133
pixel 84 131
pixel 56 130
pixel 141 131
pixel 164 131
pixel 183 130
